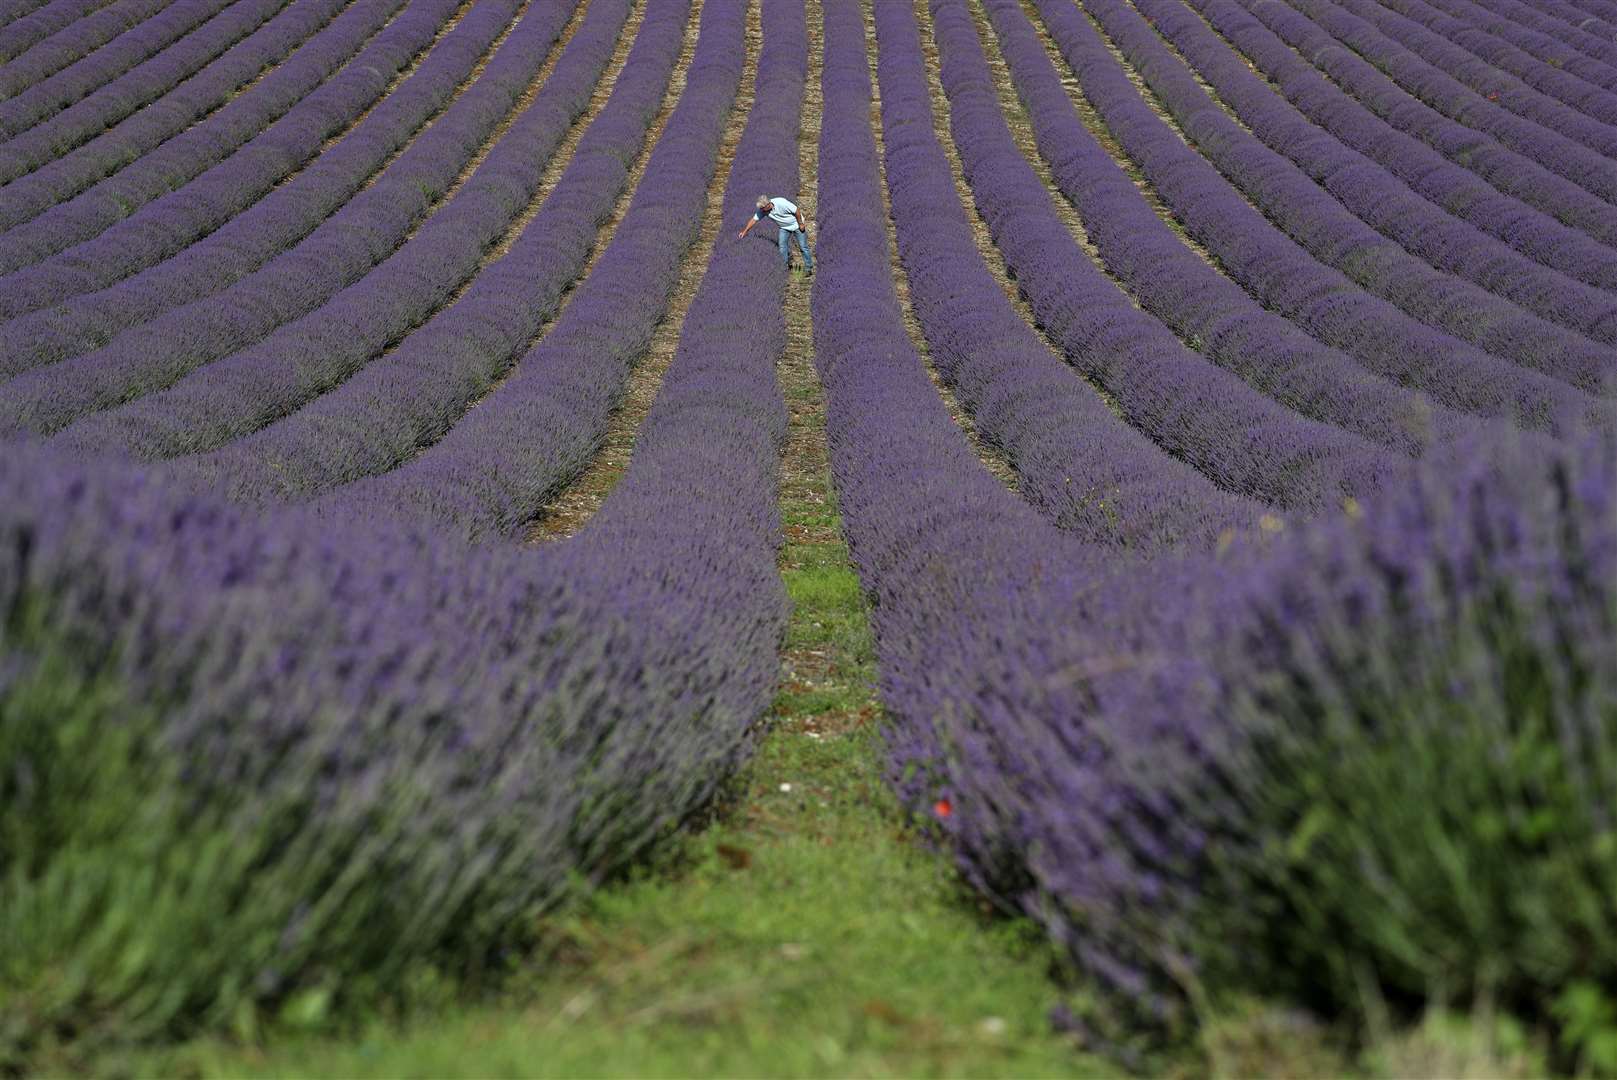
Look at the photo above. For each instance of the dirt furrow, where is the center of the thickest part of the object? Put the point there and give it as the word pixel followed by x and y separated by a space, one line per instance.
pixel 676 86
pixel 577 503
pixel 989 455
pixel 1103 135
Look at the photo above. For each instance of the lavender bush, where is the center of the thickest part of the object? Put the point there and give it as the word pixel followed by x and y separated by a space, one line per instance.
pixel 484 728
pixel 352 763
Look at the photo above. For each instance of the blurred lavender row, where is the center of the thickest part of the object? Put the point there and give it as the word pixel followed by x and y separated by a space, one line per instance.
pixel 484 728
pixel 1125 752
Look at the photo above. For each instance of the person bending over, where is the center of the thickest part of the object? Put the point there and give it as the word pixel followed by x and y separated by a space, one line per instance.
pixel 789 219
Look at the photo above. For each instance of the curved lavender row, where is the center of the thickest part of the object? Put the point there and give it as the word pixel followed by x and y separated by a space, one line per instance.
pixel 1381 201
pixel 1067 772
pixel 685 545
pixel 65 27
pixel 1082 468
pixel 688 538
pixel 68 138
pixel 1590 169
pixel 1496 82
pixel 299 360
pixel 1525 28
pixel 1201 304
pixel 1538 60
pixel 350 232
pixel 1522 176
pixel 87 84
pixel 46 19
pixel 480 728
pixel 504 460
pixel 411 396
pixel 1530 230
pixel 1244 442
pixel 958 568
pixel 59 252
pixel 214 87
pixel 1561 23
pixel 1318 224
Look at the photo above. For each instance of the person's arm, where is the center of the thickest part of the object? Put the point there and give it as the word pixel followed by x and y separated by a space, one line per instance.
pixel 742 235
pixel 801 222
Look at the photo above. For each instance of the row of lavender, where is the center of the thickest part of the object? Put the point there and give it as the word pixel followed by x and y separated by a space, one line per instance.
pixel 397 748
pixel 1204 776
pixel 1371 332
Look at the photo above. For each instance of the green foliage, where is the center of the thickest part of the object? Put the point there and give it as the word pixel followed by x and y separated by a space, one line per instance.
pixel 134 907
pixel 1437 829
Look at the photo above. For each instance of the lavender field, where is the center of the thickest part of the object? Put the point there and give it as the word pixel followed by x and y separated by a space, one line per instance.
pixel 1187 482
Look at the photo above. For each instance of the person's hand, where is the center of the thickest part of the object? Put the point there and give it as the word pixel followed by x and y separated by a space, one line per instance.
pixel 740 234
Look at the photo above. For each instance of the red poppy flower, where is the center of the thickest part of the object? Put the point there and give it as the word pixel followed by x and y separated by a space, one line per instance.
pixel 942 808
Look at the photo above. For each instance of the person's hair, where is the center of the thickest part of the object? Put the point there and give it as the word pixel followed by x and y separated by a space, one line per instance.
pixel 764 200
